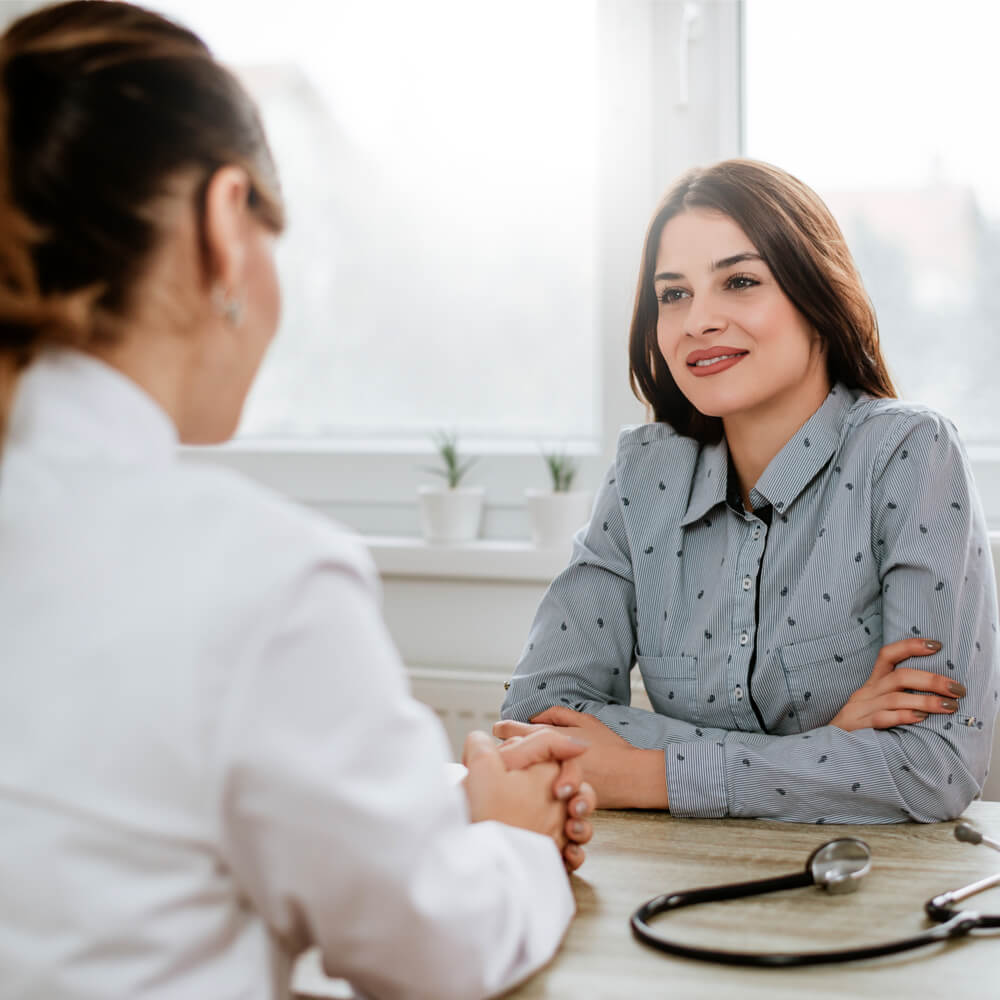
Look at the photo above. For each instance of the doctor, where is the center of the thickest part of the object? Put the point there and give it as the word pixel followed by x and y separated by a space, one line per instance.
pixel 209 759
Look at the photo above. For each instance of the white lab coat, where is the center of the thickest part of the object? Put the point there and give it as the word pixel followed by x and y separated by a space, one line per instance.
pixel 209 759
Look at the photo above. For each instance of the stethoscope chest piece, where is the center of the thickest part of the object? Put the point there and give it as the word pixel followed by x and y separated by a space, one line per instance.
pixel 839 865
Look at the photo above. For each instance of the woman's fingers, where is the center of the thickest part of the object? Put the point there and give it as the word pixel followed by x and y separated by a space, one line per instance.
pixel 558 716
pixel 887 718
pixel 579 830
pixel 539 745
pixel 584 802
pixel 573 856
pixel 898 708
pixel 507 728
pixel 895 652
pixel 932 704
pixel 920 680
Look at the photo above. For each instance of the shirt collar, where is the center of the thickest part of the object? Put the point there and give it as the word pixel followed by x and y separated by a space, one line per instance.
pixel 71 404
pixel 787 474
pixel 802 457
pixel 711 475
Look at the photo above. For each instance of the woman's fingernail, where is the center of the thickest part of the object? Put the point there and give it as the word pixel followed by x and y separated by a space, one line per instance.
pixel 932 644
pixel 578 829
pixel 920 715
pixel 564 792
pixel 948 705
pixel 956 688
pixel 581 807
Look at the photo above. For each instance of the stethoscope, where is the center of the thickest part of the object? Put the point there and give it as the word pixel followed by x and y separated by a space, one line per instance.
pixel 837 866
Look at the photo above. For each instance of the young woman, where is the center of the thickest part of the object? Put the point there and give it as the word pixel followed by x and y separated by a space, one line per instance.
pixel 751 550
pixel 208 756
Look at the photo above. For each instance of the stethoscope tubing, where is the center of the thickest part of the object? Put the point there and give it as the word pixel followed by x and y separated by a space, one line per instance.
pixel 950 923
pixel 959 925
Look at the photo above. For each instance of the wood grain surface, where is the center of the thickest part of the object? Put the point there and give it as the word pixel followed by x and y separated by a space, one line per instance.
pixel 636 855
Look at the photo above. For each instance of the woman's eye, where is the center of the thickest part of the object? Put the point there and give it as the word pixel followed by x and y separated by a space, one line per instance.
pixel 672 294
pixel 739 281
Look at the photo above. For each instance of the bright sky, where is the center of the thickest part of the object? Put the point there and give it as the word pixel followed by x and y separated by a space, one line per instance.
pixel 876 93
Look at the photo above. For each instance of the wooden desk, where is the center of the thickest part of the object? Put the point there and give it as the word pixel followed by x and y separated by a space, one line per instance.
pixel 637 855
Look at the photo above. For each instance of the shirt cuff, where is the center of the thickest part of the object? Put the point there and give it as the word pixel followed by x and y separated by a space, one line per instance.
pixel 696 779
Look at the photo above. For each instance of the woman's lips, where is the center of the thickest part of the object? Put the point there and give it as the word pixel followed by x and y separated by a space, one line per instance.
pixel 717 362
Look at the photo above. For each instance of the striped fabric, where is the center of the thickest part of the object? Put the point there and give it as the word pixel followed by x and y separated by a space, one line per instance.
pixel 751 632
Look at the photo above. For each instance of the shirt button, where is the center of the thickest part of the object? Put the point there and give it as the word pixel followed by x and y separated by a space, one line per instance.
pixel 747 583
pixel 744 638
pixel 756 533
pixel 738 693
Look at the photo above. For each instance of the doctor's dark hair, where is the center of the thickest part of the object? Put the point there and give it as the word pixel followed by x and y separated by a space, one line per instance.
pixel 102 105
pixel 799 240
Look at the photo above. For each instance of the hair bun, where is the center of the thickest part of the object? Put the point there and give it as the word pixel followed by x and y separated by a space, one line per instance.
pixel 28 319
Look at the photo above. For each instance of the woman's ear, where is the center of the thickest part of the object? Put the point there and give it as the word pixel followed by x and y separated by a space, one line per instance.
pixel 226 207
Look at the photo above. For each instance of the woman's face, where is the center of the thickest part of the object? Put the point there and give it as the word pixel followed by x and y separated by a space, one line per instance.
pixel 733 341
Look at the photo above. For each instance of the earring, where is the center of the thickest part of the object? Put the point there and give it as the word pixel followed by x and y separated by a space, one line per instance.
pixel 229 307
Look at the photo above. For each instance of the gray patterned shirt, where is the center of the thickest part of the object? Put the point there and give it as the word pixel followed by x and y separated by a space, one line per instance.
pixel 751 632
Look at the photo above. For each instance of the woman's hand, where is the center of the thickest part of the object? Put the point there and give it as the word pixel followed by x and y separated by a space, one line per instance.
pixel 623 776
pixel 523 797
pixel 547 744
pixel 885 700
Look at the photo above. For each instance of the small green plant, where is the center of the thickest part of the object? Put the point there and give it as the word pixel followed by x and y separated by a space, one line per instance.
pixel 446 443
pixel 562 469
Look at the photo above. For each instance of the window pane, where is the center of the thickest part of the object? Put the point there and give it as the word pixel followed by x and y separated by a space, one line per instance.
pixel 887 109
pixel 438 160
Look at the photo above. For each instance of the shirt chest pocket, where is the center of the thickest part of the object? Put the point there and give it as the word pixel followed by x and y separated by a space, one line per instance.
pixel 823 673
pixel 671 683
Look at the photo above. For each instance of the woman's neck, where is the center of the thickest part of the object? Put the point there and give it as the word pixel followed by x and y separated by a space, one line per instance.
pixel 755 436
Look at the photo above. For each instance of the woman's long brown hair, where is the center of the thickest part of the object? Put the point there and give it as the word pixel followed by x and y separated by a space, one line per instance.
pixel 799 240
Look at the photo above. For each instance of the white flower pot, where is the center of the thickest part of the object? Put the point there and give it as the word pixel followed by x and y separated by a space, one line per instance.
pixel 555 517
pixel 450 515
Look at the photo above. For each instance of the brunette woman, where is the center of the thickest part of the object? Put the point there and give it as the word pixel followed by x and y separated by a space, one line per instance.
pixel 771 547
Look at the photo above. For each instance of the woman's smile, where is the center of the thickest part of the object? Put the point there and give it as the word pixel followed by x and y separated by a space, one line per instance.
pixel 714 360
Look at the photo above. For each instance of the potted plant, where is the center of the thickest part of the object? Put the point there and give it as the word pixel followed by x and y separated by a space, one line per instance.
pixel 451 512
pixel 556 513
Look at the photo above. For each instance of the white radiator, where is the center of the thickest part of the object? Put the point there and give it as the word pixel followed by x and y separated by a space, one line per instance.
pixel 463 699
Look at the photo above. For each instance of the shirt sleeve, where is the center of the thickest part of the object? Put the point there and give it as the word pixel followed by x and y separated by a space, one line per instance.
pixel 581 646
pixel 342 829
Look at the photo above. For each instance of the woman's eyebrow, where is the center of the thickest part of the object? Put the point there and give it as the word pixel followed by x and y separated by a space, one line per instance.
pixel 719 265
pixel 737 258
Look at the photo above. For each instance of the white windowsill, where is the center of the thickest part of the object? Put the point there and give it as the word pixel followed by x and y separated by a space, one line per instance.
pixel 480 560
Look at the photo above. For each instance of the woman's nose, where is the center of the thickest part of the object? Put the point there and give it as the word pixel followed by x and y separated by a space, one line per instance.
pixel 703 319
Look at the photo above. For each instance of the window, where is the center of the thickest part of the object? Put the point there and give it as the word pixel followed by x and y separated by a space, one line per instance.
pixel 439 165
pixel 886 109
pixel 469 187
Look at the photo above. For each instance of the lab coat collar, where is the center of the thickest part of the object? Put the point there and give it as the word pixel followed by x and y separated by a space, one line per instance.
pixel 71 404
